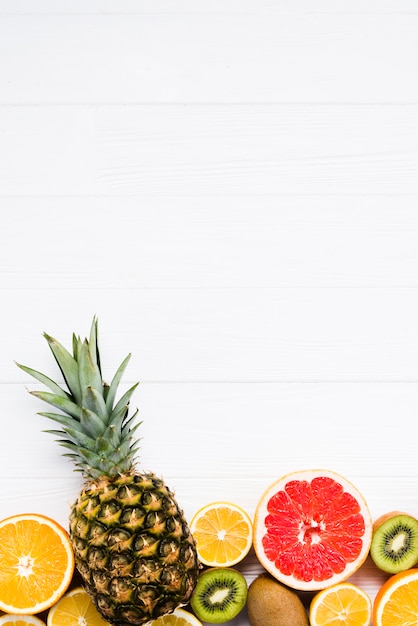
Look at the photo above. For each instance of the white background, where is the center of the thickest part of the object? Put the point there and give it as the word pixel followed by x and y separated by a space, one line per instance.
pixel 231 186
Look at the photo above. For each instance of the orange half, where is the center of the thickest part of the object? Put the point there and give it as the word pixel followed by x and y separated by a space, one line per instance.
pixel 36 563
pixel 343 603
pixel 223 534
pixel 396 602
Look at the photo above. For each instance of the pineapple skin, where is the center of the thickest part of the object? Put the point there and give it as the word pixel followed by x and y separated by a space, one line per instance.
pixel 133 548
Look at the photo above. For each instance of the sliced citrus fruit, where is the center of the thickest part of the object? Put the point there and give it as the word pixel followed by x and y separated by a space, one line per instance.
pixel 223 534
pixel 179 617
pixel 20 620
pixel 73 609
pixel 396 602
pixel 36 563
pixel 312 529
pixel 343 603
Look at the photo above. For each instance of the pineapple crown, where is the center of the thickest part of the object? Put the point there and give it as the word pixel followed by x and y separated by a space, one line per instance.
pixel 95 427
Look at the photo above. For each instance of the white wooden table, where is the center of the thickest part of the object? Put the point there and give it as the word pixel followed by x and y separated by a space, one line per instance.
pixel 231 186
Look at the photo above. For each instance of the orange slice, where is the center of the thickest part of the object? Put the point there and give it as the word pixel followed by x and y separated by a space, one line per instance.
pixel 223 534
pixel 179 617
pixel 312 529
pixel 21 620
pixel 396 601
pixel 343 603
pixel 75 608
pixel 36 563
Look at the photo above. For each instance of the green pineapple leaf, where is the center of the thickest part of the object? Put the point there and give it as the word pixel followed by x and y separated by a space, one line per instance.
pixel 102 445
pixel 88 370
pixel 45 380
pixel 94 401
pixel 114 431
pixel 124 400
pixel 68 366
pixel 94 343
pixel 129 427
pixel 74 436
pixel 114 385
pixel 91 423
pixel 59 402
pixel 64 420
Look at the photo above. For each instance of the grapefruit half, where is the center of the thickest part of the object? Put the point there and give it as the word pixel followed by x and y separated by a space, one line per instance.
pixel 312 529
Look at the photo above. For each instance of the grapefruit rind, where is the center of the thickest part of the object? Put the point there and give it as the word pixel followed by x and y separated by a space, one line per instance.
pixel 260 532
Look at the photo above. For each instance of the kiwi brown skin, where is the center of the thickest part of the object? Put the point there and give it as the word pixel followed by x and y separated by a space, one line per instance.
pixel 270 603
pixel 394 546
pixel 385 516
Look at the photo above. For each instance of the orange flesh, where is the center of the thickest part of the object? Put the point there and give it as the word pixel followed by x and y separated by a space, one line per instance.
pixel 36 564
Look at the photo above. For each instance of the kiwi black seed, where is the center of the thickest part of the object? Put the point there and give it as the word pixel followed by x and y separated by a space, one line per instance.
pixel 394 546
pixel 220 594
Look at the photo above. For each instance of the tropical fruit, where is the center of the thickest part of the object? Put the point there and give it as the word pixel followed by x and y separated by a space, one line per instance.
pixel 394 546
pixel 36 563
pixel 133 546
pixel 223 534
pixel 20 620
pixel 395 603
pixel 220 595
pixel 343 603
pixel 269 603
pixel 73 609
pixel 312 529
pixel 179 617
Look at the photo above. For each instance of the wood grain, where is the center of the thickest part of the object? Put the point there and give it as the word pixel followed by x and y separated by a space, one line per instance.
pixel 169 151
pixel 231 187
pixel 186 56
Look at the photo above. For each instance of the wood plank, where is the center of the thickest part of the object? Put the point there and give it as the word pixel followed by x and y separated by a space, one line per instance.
pixel 231 186
pixel 220 441
pixel 212 57
pixel 206 150
pixel 197 434
pixel 80 7
pixel 205 242
pixel 54 497
pixel 224 335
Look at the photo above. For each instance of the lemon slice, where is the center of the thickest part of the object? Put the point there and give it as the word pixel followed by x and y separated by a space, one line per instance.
pixel 21 620
pixel 343 603
pixel 223 534
pixel 75 608
pixel 179 617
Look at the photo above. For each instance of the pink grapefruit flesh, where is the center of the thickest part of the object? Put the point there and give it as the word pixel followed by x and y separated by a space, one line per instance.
pixel 312 529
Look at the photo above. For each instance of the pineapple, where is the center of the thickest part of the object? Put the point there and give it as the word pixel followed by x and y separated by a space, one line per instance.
pixel 132 544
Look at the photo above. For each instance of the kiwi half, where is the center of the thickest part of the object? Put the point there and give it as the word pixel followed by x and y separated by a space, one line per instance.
pixel 220 594
pixel 394 546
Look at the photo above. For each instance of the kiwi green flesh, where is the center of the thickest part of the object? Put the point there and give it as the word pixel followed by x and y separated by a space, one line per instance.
pixel 394 546
pixel 220 594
